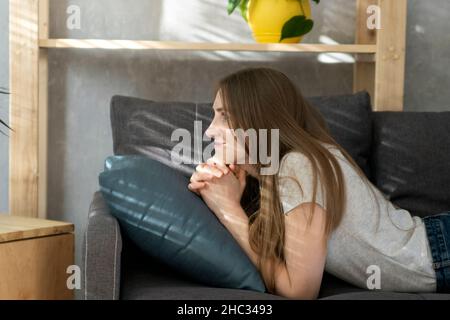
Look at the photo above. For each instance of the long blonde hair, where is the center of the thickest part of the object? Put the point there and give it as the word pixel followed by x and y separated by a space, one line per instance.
pixel 264 98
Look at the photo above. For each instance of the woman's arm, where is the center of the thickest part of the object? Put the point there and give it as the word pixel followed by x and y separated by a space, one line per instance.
pixel 305 249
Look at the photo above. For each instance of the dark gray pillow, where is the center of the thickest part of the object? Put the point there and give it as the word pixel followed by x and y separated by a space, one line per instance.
pixel 349 120
pixel 411 159
pixel 144 127
pixel 157 211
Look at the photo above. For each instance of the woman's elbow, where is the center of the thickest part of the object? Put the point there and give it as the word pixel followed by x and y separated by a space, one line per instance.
pixel 302 295
pixel 298 289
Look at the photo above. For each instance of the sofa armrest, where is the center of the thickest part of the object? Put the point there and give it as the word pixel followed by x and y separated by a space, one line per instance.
pixel 102 248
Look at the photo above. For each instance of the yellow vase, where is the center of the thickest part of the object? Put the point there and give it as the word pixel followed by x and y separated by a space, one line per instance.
pixel 266 18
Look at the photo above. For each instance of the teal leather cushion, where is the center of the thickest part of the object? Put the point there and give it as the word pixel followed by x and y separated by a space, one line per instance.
pixel 157 211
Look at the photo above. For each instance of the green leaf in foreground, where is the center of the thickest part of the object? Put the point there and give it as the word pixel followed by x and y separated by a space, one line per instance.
pixel 244 8
pixel 232 4
pixel 297 26
pixel 3 123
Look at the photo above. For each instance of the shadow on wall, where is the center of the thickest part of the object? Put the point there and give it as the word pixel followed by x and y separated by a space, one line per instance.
pixel 108 19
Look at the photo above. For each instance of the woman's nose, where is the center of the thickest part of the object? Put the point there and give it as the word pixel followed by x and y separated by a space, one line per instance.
pixel 210 131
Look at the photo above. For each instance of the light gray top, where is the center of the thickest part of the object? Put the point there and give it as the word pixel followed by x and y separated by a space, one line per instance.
pixel 399 249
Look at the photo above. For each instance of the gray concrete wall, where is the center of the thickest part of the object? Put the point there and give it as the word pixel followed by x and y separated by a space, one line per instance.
pixel 428 56
pixel 81 82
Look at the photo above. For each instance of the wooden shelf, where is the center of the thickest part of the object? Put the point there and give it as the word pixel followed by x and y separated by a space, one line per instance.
pixel 18 228
pixel 34 258
pixel 204 46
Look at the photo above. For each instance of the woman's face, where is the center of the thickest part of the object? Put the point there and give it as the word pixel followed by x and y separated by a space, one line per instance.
pixel 225 143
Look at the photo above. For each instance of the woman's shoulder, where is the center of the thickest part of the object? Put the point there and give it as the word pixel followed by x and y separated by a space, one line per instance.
pixel 295 159
pixel 293 156
pixel 292 160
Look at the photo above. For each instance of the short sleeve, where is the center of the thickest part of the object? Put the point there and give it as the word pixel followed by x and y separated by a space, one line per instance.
pixel 296 165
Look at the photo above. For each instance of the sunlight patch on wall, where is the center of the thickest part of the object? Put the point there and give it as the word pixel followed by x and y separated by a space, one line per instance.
pixel 332 58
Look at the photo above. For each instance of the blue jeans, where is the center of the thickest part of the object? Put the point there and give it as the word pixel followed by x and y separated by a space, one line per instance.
pixel 438 233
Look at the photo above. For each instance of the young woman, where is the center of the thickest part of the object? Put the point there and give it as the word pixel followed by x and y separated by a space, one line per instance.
pixel 319 211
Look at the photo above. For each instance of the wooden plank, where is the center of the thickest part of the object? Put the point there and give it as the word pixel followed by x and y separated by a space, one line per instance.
pixel 204 46
pixel 390 58
pixel 17 228
pixel 364 70
pixel 43 110
pixel 23 154
pixel 36 268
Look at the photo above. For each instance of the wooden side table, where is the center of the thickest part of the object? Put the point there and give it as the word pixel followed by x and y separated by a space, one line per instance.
pixel 34 256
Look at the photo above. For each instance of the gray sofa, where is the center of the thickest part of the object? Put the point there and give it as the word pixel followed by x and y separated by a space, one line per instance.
pixel 406 154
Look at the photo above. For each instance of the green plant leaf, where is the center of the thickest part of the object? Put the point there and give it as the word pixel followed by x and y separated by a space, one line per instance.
pixel 297 26
pixel 232 4
pixel 244 8
pixel 317 1
pixel 3 91
pixel 3 123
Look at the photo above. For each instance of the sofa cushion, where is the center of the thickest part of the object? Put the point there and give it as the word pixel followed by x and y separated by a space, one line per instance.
pixel 349 120
pixel 387 295
pixel 146 278
pixel 411 159
pixel 170 223
pixel 144 127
